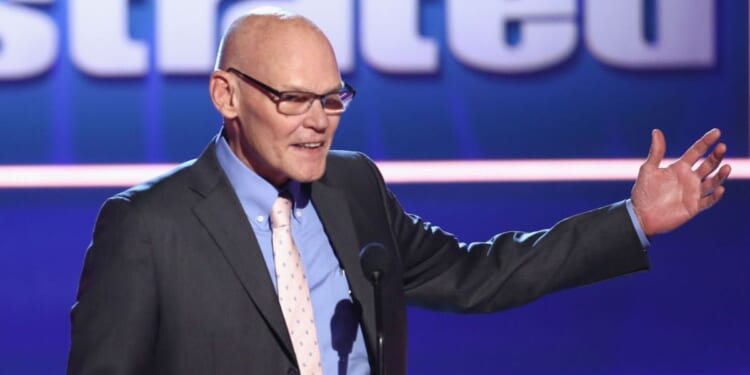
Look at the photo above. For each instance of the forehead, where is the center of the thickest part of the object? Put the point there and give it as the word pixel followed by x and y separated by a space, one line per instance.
pixel 291 54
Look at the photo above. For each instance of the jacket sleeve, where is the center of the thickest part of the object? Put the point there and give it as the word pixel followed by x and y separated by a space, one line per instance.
pixel 113 323
pixel 512 268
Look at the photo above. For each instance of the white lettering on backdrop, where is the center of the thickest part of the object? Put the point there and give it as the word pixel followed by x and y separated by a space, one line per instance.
pixel 186 36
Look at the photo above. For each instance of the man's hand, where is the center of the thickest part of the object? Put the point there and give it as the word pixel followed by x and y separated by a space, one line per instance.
pixel 665 198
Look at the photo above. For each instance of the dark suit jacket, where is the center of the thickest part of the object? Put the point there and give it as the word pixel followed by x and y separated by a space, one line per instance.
pixel 174 281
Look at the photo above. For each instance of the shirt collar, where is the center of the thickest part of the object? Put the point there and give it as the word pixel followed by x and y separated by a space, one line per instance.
pixel 257 195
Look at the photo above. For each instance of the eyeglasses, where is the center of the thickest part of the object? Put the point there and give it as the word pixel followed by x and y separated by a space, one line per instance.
pixel 299 102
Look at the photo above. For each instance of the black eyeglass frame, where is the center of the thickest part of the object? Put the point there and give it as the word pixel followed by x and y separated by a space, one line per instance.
pixel 280 95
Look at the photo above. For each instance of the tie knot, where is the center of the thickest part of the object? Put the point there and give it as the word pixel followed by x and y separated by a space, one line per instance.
pixel 281 212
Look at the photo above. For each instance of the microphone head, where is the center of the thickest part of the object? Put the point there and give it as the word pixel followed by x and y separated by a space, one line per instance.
pixel 374 259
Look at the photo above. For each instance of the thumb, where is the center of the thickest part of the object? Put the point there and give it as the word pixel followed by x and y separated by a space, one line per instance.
pixel 658 148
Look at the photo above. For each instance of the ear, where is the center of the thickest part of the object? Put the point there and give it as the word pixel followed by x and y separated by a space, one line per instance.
pixel 222 91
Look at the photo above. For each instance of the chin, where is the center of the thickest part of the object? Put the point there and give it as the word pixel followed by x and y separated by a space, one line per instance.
pixel 311 176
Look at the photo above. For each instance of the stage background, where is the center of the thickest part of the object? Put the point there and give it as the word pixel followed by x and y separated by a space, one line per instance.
pixel 688 315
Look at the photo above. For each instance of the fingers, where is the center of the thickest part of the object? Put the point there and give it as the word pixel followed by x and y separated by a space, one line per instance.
pixel 711 199
pixel 712 188
pixel 709 184
pixel 658 148
pixel 724 172
pixel 699 148
pixel 711 162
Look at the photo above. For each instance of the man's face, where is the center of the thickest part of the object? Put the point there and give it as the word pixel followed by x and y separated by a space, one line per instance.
pixel 280 147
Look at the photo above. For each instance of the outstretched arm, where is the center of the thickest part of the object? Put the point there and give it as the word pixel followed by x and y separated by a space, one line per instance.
pixel 665 198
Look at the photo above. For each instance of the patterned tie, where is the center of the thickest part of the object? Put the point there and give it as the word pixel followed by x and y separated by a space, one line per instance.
pixel 294 294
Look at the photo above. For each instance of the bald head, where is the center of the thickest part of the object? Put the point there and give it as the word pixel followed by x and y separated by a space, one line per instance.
pixel 271 36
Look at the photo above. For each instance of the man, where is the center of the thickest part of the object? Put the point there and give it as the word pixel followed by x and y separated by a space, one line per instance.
pixel 188 273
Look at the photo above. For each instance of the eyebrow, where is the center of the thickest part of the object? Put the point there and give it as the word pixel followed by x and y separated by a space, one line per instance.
pixel 288 87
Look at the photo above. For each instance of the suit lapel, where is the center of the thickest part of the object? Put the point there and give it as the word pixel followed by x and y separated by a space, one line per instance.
pixel 334 213
pixel 221 214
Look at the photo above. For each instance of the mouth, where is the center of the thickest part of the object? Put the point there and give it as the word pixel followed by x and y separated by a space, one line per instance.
pixel 309 145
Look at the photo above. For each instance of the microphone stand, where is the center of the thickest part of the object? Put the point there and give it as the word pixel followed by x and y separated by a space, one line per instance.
pixel 379 362
pixel 375 261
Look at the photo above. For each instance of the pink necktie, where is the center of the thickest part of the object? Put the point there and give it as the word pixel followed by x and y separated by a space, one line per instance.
pixel 294 294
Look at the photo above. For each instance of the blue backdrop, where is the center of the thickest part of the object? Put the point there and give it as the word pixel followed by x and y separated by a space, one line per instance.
pixel 689 315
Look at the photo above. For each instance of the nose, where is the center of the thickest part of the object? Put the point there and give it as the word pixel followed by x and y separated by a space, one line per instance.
pixel 316 117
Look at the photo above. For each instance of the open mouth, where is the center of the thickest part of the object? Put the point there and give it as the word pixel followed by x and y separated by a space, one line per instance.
pixel 309 145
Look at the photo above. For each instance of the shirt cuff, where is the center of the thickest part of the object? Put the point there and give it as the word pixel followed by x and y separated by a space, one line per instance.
pixel 637 225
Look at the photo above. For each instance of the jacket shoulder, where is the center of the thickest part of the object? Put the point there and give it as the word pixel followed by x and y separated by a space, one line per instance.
pixel 159 185
pixel 164 193
pixel 350 166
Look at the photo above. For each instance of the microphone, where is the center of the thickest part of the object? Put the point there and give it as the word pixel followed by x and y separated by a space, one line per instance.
pixel 375 262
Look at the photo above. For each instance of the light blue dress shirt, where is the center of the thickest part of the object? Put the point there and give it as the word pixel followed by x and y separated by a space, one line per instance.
pixel 339 331
pixel 645 243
